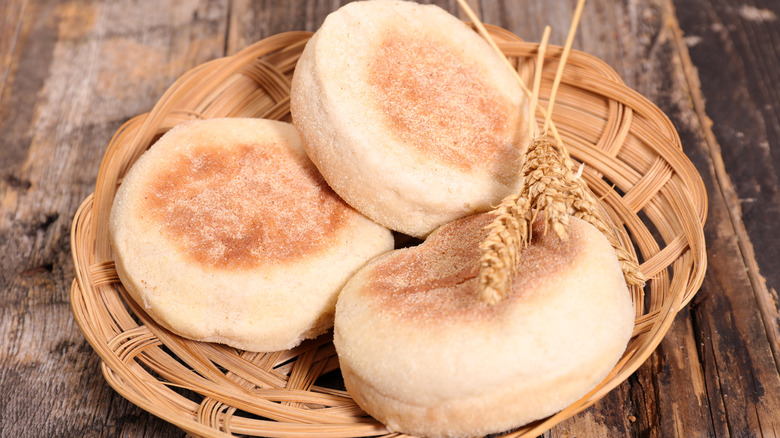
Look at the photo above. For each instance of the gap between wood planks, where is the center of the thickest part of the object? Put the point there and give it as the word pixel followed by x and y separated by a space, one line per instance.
pixel 228 19
pixel 726 187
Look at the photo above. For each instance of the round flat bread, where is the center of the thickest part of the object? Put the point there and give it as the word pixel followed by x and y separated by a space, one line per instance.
pixel 423 354
pixel 409 114
pixel 224 231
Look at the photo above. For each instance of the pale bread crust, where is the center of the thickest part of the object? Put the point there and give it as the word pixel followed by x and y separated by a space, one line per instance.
pixel 367 161
pixel 268 304
pixel 466 369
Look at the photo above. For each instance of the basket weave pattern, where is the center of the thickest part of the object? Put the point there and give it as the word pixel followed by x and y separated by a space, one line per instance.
pixel 633 162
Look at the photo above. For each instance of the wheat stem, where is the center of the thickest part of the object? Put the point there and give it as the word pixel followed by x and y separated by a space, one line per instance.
pixel 550 189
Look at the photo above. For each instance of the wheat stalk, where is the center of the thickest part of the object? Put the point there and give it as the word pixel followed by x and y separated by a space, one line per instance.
pixel 549 187
pixel 585 206
pixel 542 192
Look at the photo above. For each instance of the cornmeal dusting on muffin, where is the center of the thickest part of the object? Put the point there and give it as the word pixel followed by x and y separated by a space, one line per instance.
pixel 439 103
pixel 244 206
pixel 441 281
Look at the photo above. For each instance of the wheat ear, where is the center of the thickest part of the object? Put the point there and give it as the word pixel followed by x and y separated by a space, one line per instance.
pixel 549 188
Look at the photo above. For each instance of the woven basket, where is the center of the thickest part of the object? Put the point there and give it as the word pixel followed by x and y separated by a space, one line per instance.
pixel 634 162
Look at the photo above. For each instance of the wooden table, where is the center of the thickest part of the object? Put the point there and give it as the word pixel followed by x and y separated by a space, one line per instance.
pixel 72 71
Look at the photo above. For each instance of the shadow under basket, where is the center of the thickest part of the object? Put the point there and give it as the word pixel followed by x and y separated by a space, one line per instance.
pixel 633 161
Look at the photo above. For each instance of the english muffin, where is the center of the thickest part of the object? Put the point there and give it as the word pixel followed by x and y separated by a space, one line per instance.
pixel 421 352
pixel 224 231
pixel 409 114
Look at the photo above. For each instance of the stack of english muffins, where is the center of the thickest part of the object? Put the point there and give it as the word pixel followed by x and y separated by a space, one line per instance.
pixel 260 234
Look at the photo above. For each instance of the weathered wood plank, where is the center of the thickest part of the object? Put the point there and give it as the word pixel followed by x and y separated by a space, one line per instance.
pixel 736 45
pixel 737 315
pixel 78 70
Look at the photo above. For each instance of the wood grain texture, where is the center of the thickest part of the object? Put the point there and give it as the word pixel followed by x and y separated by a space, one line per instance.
pixel 738 309
pixel 71 71
pixel 748 121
